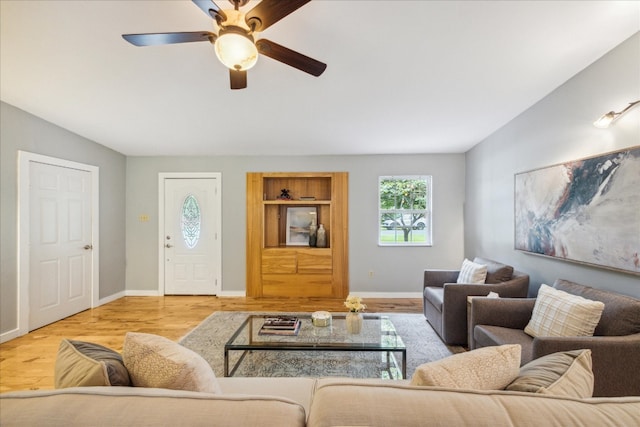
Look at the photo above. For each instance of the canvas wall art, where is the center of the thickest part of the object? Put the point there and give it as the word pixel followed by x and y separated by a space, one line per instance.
pixel 586 211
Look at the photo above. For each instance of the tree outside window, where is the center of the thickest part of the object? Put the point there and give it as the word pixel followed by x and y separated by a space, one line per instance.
pixel 404 210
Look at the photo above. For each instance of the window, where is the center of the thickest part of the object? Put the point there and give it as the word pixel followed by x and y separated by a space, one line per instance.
pixel 190 221
pixel 404 210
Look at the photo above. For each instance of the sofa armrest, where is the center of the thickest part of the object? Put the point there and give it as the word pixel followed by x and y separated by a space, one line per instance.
pixel 512 313
pixel 439 277
pixel 616 365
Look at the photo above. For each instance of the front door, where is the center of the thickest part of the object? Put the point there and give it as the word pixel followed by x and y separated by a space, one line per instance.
pixel 191 237
pixel 60 241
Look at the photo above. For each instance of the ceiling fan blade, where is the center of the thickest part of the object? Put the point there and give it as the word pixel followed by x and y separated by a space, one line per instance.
pixel 290 57
pixel 268 12
pixel 154 39
pixel 211 9
pixel 238 79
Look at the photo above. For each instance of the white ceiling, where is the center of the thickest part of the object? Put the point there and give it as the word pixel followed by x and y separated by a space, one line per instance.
pixel 402 76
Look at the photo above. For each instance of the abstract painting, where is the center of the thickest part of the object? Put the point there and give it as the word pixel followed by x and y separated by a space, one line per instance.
pixel 586 211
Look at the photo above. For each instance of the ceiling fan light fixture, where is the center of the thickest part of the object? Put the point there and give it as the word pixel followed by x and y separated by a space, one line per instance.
pixel 236 49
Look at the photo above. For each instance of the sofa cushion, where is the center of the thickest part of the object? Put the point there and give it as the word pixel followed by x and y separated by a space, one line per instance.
pixel 472 273
pixel 435 295
pixel 560 314
pixel 567 373
pixel 85 364
pixel 155 361
pixel 488 368
pixel 360 404
pixel 137 406
pixel 496 271
pixel 621 314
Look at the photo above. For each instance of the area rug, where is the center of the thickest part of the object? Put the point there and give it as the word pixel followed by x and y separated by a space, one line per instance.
pixel 208 340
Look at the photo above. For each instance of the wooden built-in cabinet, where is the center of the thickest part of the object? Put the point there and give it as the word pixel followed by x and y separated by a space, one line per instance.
pixel 275 269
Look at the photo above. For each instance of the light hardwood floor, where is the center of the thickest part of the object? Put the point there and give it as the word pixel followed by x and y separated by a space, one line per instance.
pixel 27 362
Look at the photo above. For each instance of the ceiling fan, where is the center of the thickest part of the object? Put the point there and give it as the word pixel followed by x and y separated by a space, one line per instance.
pixel 235 43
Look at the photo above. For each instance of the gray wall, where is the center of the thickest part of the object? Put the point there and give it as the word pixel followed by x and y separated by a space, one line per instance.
pixel 396 269
pixel 22 131
pixel 556 129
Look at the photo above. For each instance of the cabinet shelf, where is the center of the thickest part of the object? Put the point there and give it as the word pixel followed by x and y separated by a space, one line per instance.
pixel 296 202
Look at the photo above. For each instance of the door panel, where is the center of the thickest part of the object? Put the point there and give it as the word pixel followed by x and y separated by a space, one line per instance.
pixel 191 236
pixel 60 228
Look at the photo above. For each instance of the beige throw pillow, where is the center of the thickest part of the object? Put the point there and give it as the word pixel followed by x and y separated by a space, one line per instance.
pixel 155 361
pixel 487 368
pixel 560 314
pixel 472 273
pixel 567 373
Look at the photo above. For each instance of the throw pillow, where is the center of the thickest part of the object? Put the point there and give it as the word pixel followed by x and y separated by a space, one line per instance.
pixel 85 364
pixel 487 368
pixel 560 314
pixel 496 271
pixel 472 273
pixel 567 373
pixel 155 361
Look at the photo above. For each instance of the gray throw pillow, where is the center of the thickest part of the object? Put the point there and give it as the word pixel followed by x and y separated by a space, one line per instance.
pixel 85 364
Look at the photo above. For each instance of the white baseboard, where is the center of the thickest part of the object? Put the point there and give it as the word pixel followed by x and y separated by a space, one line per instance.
pixel 232 294
pixel 9 335
pixel 389 295
pixel 111 298
pixel 141 293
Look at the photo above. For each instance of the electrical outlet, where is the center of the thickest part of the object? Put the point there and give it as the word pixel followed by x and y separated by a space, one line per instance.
pixel 143 218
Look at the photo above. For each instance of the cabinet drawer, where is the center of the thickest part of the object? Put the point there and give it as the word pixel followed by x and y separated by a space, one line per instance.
pixel 279 262
pixel 315 262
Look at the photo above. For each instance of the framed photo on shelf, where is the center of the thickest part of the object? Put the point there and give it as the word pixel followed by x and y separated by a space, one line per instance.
pixel 299 219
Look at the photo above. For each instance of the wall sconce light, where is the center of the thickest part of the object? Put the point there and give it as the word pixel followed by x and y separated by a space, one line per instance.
pixel 608 118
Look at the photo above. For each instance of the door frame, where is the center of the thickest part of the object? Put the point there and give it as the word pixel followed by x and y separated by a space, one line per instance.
pixel 24 232
pixel 162 176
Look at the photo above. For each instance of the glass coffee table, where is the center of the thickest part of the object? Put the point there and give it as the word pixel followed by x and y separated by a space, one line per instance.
pixel 377 335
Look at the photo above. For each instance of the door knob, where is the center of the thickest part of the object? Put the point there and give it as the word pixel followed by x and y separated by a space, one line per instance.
pixel 87 247
pixel 168 245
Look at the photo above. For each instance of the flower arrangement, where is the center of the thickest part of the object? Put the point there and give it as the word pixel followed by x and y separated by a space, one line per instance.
pixel 354 304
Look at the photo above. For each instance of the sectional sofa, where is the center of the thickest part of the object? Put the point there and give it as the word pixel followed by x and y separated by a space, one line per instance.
pixel 310 402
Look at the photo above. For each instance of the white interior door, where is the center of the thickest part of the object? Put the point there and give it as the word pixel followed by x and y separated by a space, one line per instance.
pixel 60 241
pixel 191 236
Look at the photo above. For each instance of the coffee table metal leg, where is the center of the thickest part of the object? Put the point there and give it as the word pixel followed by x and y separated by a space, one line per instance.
pixel 404 364
pixel 228 373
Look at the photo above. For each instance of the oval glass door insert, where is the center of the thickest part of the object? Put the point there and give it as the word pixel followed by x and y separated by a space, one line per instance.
pixel 190 221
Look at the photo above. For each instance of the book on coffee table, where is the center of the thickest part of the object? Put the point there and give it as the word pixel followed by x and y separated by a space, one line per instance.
pixel 280 326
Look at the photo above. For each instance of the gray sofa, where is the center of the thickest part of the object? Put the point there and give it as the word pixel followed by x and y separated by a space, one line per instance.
pixel 615 345
pixel 310 402
pixel 445 301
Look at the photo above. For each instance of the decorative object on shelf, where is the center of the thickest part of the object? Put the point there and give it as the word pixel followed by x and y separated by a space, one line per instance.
pixel 299 220
pixel 321 318
pixel 313 233
pixel 353 320
pixel 566 211
pixel 321 239
pixel 284 195
pixel 307 198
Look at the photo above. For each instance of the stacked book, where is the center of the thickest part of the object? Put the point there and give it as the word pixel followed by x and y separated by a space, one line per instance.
pixel 281 325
